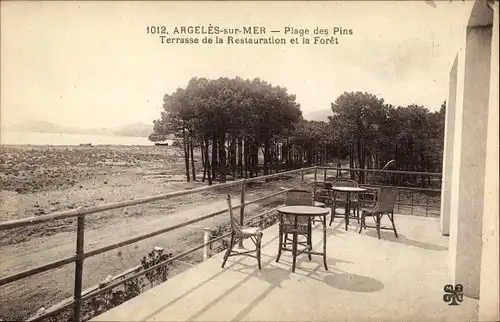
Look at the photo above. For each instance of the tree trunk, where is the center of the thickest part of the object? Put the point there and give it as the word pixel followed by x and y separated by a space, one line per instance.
pixel 222 157
pixel 214 156
pixel 351 161
pixel 266 157
pixel 192 159
pixel 233 155
pixel 246 157
pixel 186 153
pixel 207 162
pixel 254 155
pixel 359 151
pixel 240 156
pixel 202 151
pixel 288 154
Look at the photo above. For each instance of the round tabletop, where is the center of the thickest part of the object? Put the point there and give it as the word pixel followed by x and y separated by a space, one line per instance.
pixel 349 189
pixel 304 210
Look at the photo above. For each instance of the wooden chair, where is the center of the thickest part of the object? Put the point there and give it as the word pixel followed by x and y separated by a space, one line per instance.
pixel 241 233
pixel 340 197
pixel 323 198
pixel 386 198
pixel 295 197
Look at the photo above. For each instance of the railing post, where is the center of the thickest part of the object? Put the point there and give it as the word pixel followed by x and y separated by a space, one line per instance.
pixel 242 208
pixel 427 206
pixel 399 198
pixel 411 209
pixel 302 174
pixel 77 296
pixel 206 239
pixel 315 180
pixel 324 175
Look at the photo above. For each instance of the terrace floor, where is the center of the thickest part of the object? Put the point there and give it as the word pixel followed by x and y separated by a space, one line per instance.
pixel 367 280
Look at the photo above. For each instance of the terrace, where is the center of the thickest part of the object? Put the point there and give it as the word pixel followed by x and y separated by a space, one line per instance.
pixel 400 277
pixel 392 278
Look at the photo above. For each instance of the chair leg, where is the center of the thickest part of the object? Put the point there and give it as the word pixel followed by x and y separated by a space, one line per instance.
pixel 228 251
pixel 258 244
pixel 332 217
pixel 294 252
pixel 391 217
pixel 280 245
pixel 362 222
pixel 309 242
pixel 378 224
pixel 357 212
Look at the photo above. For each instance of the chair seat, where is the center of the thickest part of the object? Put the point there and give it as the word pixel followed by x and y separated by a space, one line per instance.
pixel 353 201
pixel 340 211
pixel 251 231
pixel 289 228
pixel 370 211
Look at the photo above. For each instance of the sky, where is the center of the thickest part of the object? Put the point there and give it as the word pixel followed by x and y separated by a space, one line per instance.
pixel 92 64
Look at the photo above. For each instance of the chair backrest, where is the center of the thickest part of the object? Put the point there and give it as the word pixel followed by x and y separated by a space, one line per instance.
pixel 345 183
pixel 235 225
pixel 298 197
pixel 303 186
pixel 386 198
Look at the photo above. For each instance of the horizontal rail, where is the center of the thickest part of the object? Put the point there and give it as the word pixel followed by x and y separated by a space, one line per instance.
pixel 417 205
pixel 90 210
pixel 437 174
pixel 40 269
pixel 400 187
pixel 51 312
pixel 167 229
pixel 394 187
pixel 95 291
pixel 36 270
pixel 262 214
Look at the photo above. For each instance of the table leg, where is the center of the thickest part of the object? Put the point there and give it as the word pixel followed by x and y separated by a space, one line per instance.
pixel 347 209
pixel 324 242
pixel 280 242
pixel 294 247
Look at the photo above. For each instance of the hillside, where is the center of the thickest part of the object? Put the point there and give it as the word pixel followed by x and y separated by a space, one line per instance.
pixel 134 129
pixel 36 126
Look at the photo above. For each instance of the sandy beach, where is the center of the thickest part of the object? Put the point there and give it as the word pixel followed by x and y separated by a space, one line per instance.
pixel 38 180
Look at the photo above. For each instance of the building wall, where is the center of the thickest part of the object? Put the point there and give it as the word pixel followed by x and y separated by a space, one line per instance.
pixel 449 133
pixel 469 161
pixel 489 291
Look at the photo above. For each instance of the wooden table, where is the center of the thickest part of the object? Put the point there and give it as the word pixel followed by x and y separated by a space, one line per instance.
pixel 348 191
pixel 307 211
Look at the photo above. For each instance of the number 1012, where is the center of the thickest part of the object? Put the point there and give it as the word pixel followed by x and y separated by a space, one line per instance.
pixel 156 30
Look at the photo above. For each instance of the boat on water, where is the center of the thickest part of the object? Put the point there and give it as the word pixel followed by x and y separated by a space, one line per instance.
pixel 85 144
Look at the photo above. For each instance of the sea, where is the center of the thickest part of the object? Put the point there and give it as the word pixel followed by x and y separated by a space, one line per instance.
pixel 38 138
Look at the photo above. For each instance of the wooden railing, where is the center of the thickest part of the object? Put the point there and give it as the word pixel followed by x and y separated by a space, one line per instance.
pixel 81 254
pixel 81 213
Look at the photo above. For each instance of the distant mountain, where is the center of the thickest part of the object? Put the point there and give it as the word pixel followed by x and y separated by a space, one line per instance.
pixel 321 115
pixel 134 129
pixel 36 126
